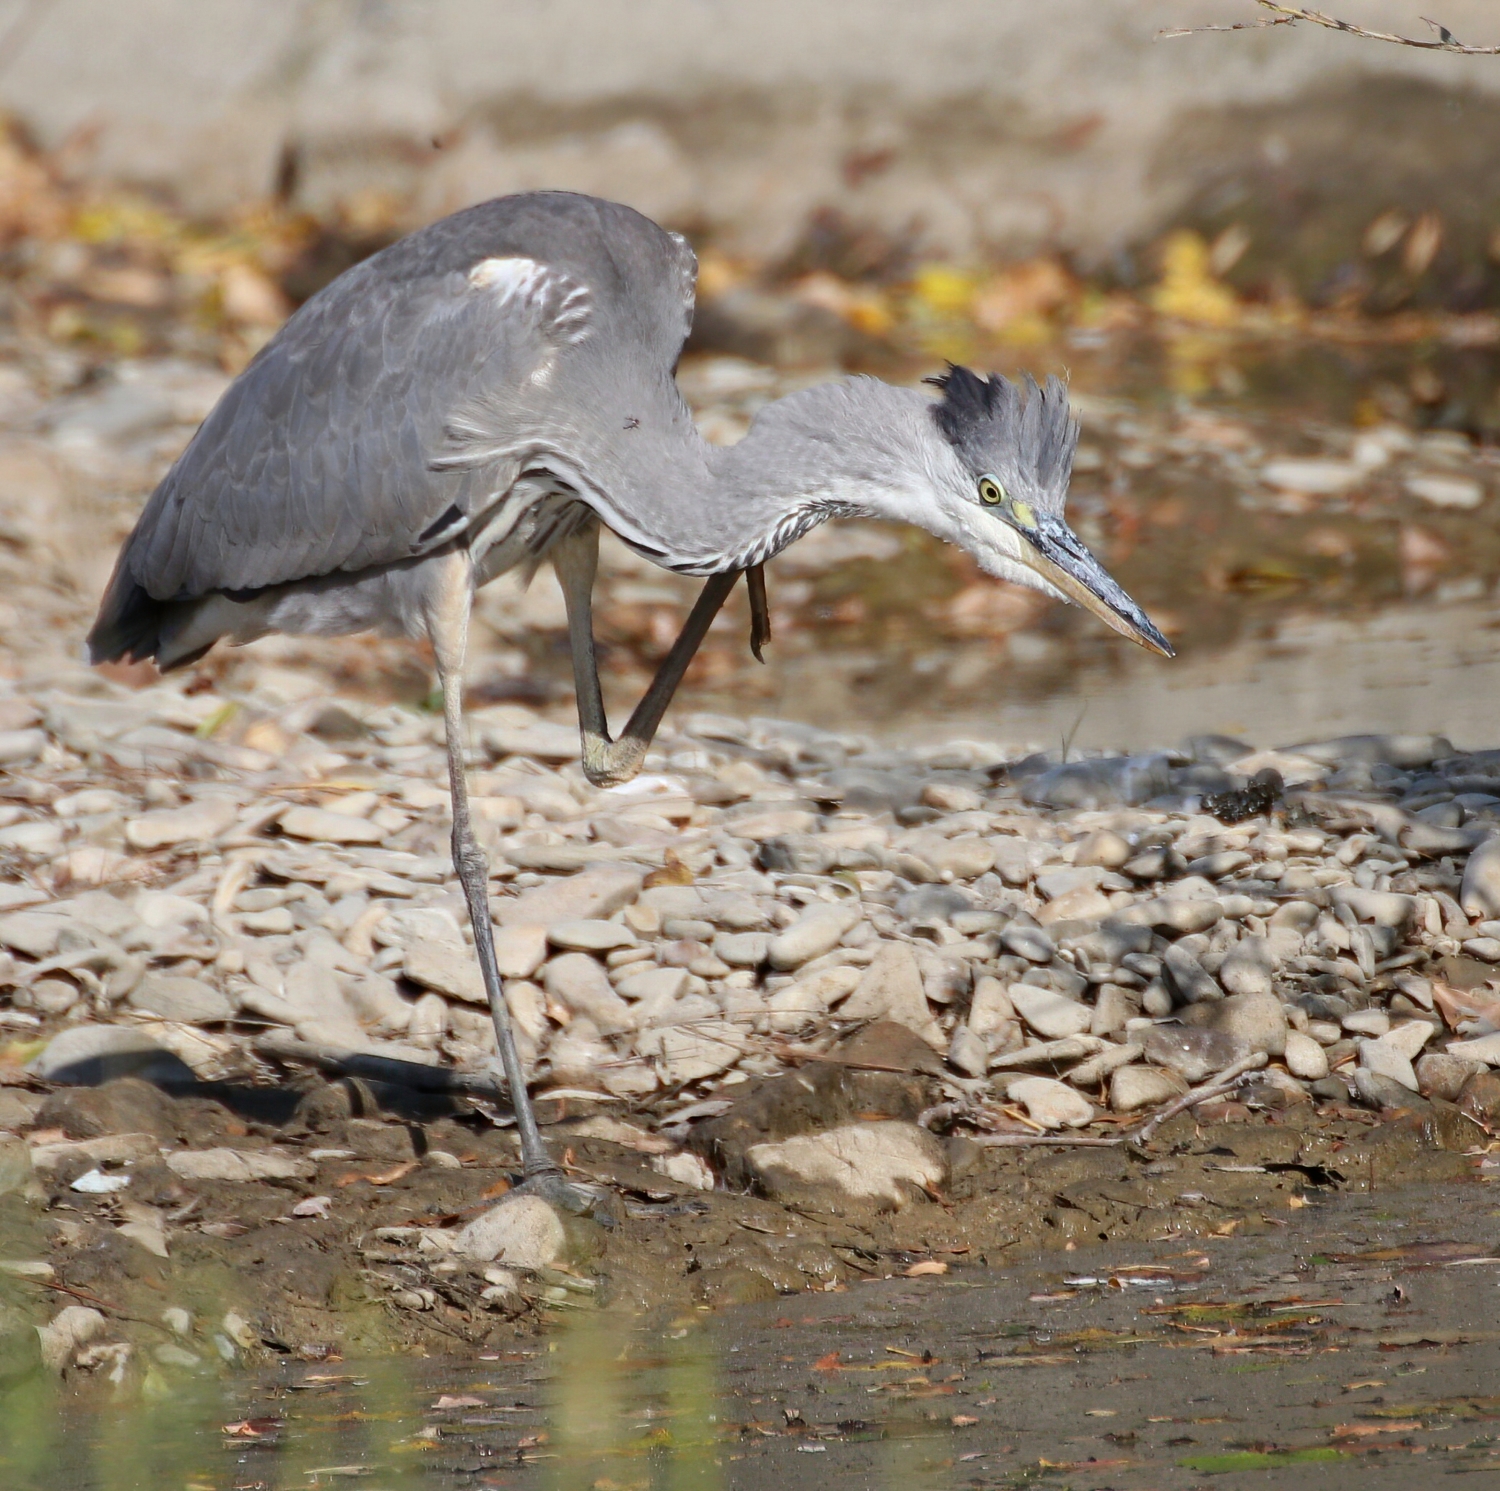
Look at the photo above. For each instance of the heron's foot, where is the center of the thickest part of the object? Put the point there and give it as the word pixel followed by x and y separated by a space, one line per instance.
pixel 570 1196
pixel 609 763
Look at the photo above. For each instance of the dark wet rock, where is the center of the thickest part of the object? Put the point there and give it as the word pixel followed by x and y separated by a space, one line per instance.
pixel 933 903
pixel 1259 1020
pixel 1186 978
pixel 881 1070
pixel 1235 804
pixel 125 1106
pixel 1442 1076
pixel 1479 1097
pixel 1127 780
pixel 1190 1052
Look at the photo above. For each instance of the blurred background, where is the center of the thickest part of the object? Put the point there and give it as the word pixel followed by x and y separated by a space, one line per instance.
pixel 1269 262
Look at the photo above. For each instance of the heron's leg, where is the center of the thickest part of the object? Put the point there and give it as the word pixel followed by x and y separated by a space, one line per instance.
pixel 448 626
pixel 760 610
pixel 575 561
pixel 630 750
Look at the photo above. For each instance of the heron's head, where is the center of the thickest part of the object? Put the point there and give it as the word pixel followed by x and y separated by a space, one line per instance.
pixel 1002 478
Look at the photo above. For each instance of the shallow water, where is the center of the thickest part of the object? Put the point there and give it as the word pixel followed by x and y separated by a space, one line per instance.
pixel 1354 1343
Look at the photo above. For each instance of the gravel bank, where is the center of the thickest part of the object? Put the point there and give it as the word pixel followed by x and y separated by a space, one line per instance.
pixel 940 951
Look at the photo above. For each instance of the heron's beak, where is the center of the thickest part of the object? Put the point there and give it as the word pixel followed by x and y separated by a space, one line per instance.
pixel 1059 557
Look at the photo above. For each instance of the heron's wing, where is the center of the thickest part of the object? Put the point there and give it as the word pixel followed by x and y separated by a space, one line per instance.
pixel 320 457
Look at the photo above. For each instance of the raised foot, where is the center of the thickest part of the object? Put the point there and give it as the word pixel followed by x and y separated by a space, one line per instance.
pixel 611 763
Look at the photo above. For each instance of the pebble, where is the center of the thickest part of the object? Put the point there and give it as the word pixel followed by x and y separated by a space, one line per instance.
pixel 1048 1013
pixel 520 949
pixel 1187 979
pixel 891 988
pixel 199 821
pixel 1443 1075
pixel 444 967
pixel 188 1000
pixel 1305 1058
pixel 1485 1048
pixel 1192 1053
pixel 1248 967
pixel 590 935
pixel 321 825
pixel 742 949
pixel 579 982
pixel 1134 1087
pixel 1050 1103
pixel 888 1163
pixel 1479 895
pixel 594 893
pixel 1030 943
pixel 1259 1020
pixel 816 932
pixel 522 1231
pixel 1386 1059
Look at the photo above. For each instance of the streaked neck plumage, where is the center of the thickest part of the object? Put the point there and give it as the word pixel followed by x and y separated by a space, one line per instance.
pixel 859 447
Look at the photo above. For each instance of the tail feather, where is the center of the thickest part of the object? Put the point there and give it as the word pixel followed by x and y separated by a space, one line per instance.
pixel 133 627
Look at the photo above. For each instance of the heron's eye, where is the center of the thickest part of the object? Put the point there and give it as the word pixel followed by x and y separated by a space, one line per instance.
pixel 991 493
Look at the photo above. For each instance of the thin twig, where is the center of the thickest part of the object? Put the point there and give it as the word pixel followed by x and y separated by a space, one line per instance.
pixel 1210 1089
pixel 1289 15
pixel 1216 1086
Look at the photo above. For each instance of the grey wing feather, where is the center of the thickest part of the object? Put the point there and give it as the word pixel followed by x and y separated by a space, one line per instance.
pixel 326 453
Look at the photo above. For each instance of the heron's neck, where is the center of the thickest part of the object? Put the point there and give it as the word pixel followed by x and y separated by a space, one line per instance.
pixel 837 450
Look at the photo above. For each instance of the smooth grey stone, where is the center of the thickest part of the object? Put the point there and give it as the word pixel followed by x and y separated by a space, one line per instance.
pixel 933 903
pixel 1030 943
pixel 1202 778
pixel 678 927
pixel 1383 908
pixel 1330 1090
pixel 1257 1019
pixel 1377 1091
pixel 1215 750
pixel 875 791
pixel 1442 815
pixel 1112 941
pixel 1128 780
pixel 1186 977
pixel 189 1001
pixel 1135 1087
pixel 1480 893
pixel 1428 840
pixel 976 923
pixel 1192 1053
pixel 1248 967
pixel 1324 1006
pixel 90 1055
pixel 742 949
pixel 1409 752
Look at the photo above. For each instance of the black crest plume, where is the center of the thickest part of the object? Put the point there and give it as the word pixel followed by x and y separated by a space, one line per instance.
pixel 1018 431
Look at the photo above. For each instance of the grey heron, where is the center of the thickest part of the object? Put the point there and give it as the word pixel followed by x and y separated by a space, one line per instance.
pixel 483 395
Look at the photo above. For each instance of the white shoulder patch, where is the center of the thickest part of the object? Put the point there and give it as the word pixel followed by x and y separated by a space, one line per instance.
pixel 560 304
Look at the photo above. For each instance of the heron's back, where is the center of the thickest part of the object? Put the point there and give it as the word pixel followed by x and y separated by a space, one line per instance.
pixel 325 455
